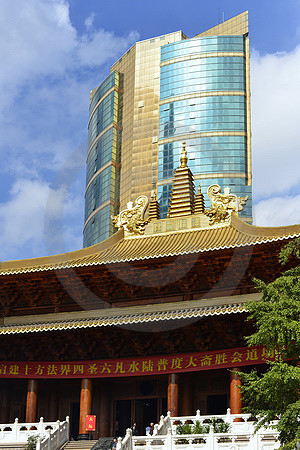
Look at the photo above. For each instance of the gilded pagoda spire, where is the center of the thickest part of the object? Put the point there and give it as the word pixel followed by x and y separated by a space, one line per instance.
pixel 199 202
pixel 182 196
pixel 153 207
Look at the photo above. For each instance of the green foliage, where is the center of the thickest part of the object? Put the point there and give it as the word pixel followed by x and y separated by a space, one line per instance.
pixel 31 442
pixel 203 428
pixel 222 427
pixel 219 425
pixel 200 428
pixel 185 428
pixel 275 394
pixel 271 394
pixel 289 426
pixel 290 249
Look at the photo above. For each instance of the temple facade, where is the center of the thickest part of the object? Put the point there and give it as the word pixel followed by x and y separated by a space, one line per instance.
pixel 150 320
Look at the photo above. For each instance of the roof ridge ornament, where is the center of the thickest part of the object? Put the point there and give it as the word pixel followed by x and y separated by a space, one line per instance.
pixel 223 205
pixel 132 219
pixel 183 156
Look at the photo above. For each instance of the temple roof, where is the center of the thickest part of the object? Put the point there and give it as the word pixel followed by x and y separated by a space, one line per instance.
pixel 126 316
pixel 158 242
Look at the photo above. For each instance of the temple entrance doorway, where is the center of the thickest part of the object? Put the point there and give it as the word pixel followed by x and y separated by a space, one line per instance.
pixel 74 420
pixel 217 404
pixel 141 411
pixel 123 416
pixel 146 412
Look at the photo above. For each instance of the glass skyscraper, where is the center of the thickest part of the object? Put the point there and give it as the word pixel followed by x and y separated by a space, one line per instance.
pixel 162 92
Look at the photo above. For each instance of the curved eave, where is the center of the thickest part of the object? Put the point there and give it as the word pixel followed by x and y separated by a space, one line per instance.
pixel 118 249
pixel 127 319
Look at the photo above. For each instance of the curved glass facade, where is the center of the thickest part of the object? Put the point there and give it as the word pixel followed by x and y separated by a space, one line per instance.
pixel 162 92
pixel 209 44
pixel 103 162
pixel 207 155
pixel 204 94
pixel 217 73
pixel 218 113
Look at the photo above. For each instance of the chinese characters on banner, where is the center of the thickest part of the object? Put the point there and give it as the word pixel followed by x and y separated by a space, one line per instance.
pixel 185 362
pixel 90 423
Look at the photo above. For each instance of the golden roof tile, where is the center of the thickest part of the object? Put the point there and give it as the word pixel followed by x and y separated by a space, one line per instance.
pixel 118 249
pixel 126 316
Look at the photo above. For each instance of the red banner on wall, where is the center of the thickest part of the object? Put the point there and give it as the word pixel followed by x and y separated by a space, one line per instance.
pixel 148 365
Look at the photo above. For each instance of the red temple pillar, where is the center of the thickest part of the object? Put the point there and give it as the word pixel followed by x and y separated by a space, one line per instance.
pixel 173 394
pixel 235 391
pixel 85 405
pixel 31 400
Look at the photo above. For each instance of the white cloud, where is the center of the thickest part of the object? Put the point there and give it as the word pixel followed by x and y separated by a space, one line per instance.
pixel 45 82
pixel 275 123
pixel 98 47
pixel 22 219
pixel 89 21
pixel 38 39
pixel 278 211
pixel 47 73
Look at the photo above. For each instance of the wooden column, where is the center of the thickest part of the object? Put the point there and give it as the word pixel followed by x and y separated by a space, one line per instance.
pixel 173 394
pixel 187 394
pixel 105 409
pixel 53 404
pixel 4 402
pixel 235 391
pixel 31 400
pixel 85 404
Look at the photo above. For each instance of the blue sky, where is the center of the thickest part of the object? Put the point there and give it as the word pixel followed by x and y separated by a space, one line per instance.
pixel 54 52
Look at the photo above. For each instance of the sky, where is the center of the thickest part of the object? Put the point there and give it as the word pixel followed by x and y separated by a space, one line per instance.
pixel 53 52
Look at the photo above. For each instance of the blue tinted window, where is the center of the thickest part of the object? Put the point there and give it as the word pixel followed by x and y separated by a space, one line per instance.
pixel 101 189
pixel 207 44
pixel 203 74
pixel 218 113
pixel 104 87
pixel 217 154
pixel 99 227
pixel 103 116
pixel 104 151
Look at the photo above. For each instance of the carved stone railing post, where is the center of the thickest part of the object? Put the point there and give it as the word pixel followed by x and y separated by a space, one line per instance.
pixel 38 443
pixel 228 415
pixel 119 443
pixel 16 429
pixel 49 439
pixel 41 425
pixel 169 442
pixel 211 438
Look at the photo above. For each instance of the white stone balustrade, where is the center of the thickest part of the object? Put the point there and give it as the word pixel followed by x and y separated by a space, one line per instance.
pixel 18 433
pixel 241 435
pixel 55 439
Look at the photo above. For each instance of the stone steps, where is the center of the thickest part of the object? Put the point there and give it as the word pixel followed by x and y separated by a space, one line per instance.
pixel 12 446
pixel 79 445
